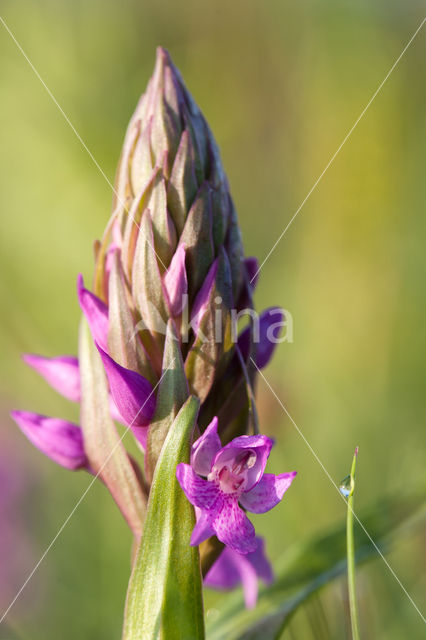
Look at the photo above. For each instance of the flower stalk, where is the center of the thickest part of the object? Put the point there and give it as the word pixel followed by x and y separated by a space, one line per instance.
pixel 350 548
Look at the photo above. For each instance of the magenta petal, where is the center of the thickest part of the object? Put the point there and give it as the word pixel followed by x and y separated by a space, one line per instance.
pixel 232 569
pixel 261 563
pixel 250 582
pixel 114 412
pixel 96 313
pixel 58 439
pixel 203 528
pixel 200 492
pixel 260 445
pixel 270 325
pixel 205 448
pixel 61 373
pixel 133 396
pixel 176 283
pixel 267 493
pixel 202 299
pixel 225 572
pixel 233 528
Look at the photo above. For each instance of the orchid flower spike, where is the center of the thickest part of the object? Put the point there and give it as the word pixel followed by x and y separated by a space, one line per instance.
pixel 220 479
pixel 170 277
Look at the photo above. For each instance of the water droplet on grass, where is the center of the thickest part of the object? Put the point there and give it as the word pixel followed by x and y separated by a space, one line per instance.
pixel 346 486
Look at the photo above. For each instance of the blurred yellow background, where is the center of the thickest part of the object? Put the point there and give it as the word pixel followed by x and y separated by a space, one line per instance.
pixel 281 84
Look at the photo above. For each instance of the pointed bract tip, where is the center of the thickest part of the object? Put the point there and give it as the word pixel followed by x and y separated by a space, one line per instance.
pixel 163 56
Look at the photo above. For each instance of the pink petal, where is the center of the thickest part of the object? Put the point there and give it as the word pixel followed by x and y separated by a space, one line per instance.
pixel 232 569
pixel 96 313
pixel 261 445
pixel 58 439
pixel 205 448
pixel 249 580
pixel 261 563
pixel 201 301
pixel 176 282
pixel 267 493
pixel 225 572
pixel 133 396
pixel 200 492
pixel 114 412
pixel 61 373
pixel 203 528
pixel 233 528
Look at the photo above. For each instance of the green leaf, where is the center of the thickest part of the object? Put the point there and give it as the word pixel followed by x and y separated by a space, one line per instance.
pixel 172 393
pixel 164 599
pixel 309 565
pixel 105 451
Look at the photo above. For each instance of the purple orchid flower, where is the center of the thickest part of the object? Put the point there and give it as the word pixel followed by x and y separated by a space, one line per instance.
pixel 232 569
pixel 220 478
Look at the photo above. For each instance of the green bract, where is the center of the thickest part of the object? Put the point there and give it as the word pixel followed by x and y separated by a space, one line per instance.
pixel 164 599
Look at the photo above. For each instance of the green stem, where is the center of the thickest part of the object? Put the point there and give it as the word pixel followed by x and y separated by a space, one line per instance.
pixel 351 554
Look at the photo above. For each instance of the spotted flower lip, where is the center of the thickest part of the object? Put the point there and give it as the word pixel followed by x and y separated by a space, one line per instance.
pixel 220 479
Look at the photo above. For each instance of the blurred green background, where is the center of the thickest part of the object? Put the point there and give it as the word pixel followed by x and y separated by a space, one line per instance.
pixel 280 83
